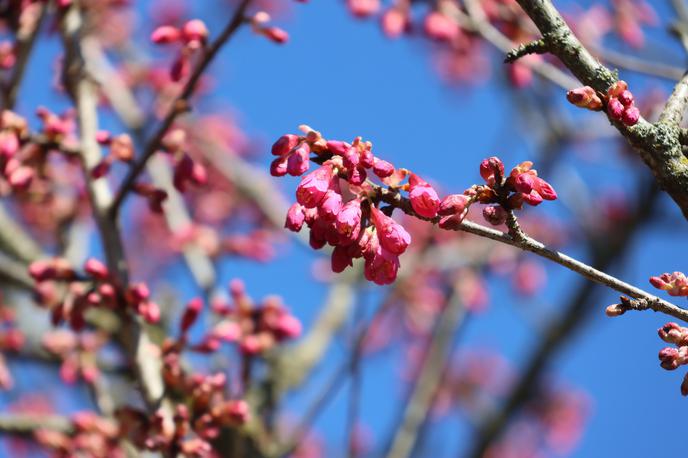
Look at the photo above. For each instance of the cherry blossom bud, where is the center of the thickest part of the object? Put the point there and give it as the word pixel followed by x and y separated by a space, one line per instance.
pixel 9 144
pixel 382 268
pixel 284 145
pixel 278 167
pixel 585 97
pixel 494 214
pixel 393 237
pixel 96 269
pixel 340 259
pixel 165 34
pixel 454 204
pixel 439 27
pixel 363 8
pixel 357 176
pixel 668 358
pixel 137 292
pixel 191 312
pixel 615 109
pixel 295 218
pixel 251 345
pixel 102 169
pixel 630 116
pixel 227 331
pixel 382 169
pixel 615 310
pixel 299 160
pixel 181 67
pixel 195 30
pixel 394 22
pixel 21 177
pixel 525 182
pixel 313 187
pixel 122 148
pixel 348 222
pixel 671 333
pixel 490 169
pixel 423 197
pixel 626 98
pixel 275 34
pixel 288 327
pixel 150 311
pixel 331 205
pixel 617 88
pixel 544 189
pixel 238 411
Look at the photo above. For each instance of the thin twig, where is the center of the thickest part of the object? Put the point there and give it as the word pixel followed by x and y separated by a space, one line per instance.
pixel 180 105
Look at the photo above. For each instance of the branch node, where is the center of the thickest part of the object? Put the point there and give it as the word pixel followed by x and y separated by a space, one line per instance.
pixel 531 47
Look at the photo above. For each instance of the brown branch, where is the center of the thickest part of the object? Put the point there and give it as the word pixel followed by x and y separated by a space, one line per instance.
pixel 28 424
pixel 180 105
pixel 83 91
pixel 676 105
pixel 529 244
pixel 658 145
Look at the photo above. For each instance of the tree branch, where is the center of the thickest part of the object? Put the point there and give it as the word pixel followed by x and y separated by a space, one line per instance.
pixel 676 105
pixel 28 424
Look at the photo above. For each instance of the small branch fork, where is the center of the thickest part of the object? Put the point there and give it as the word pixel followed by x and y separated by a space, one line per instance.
pixel 526 243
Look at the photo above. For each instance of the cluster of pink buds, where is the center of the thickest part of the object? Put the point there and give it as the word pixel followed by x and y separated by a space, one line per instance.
pixel 504 193
pixel 192 36
pixel 93 288
pixel 57 128
pixel 13 130
pixel 619 101
pixel 672 357
pixel 11 340
pixel 259 25
pixel 92 436
pixel 121 149
pixel 255 328
pixel 78 353
pixel 676 284
pixel 194 424
pixel 340 204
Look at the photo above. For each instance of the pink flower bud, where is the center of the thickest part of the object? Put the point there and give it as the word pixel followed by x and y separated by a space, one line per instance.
pixel 227 331
pixel 295 218
pixel 439 27
pixel 382 169
pixel 357 176
pixel 150 311
pixel 338 147
pixel 137 292
pixel 348 220
pixel 617 88
pixel 96 269
pixel 544 189
pixel 494 214
pixel 9 144
pixel 238 411
pixel 393 237
pixel 363 8
pixel 195 30
pixel 288 327
pixel 330 206
pixel 452 222
pixel 671 333
pixel 584 97
pixel 626 98
pixel 454 204
pixel 285 144
pixel 299 160
pixel 21 177
pixel 275 34
pixel 181 67
pixel 423 197
pixel 615 310
pixel 251 345
pixel 382 268
pixel 278 167
pixel 165 34
pixel 340 259
pixel 103 137
pixel 122 148
pixel 313 187
pixel 394 22
pixel 615 109
pixel 630 116
pixel 668 358
pixel 191 312
pixel 491 169
pixel 524 182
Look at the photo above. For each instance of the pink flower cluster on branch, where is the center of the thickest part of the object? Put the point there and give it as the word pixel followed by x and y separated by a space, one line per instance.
pixel 192 37
pixel 69 294
pixel 339 201
pixel 672 357
pixel 676 284
pixel 619 102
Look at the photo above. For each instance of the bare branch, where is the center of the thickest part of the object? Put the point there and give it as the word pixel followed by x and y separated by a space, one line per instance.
pixel 676 105
pixel 30 423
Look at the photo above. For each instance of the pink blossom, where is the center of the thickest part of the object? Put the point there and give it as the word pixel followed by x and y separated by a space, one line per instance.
pixel 340 259
pixel 284 145
pixel 394 22
pixel 165 34
pixel 295 218
pixel 439 27
pixel 494 214
pixel 490 169
pixel 348 220
pixel 363 8
pixel 299 160
pixel 382 169
pixel 313 187
pixel 393 237
pixel 630 116
pixel 423 197
pixel 382 268
pixel 195 30
pixel 454 204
